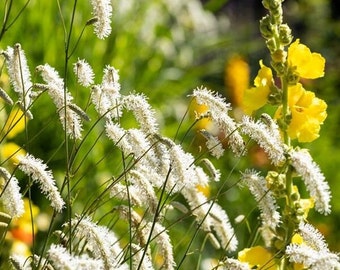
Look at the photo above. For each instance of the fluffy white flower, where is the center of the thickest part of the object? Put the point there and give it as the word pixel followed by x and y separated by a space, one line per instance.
pixel 213 144
pixel 221 225
pixel 141 109
pixel 60 258
pixel 19 74
pixel 312 237
pixel 313 178
pixel 233 264
pixel 102 11
pixel 311 258
pixel 257 185
pixel 160 235
pixel 10 195
pixel 35 168
pixel 218 109
pixel 100 241
pixel 264 136
pixel 106 96
pixel 84 72
pixel 55 87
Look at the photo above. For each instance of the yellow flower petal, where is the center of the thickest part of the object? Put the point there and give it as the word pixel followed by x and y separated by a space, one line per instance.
pixel 204 189
pixel 297 239
pixel 308 113
pixel 236 79
pixel 15 123
pixel 256 97
pixel 308 65
pixel 264 76
pixel 258 256
pixel 11 151
pixel 197 109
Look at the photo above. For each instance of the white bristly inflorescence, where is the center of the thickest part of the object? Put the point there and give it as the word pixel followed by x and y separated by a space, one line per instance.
pixel 40 174
pixel 313 178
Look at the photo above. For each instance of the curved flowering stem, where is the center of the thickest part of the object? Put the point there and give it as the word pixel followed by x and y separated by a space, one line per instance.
pixel 5 25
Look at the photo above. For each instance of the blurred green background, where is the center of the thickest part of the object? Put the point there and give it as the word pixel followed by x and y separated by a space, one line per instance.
pixel 165 49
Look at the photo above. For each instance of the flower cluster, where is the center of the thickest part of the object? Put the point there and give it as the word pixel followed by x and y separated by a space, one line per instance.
pixel 159 183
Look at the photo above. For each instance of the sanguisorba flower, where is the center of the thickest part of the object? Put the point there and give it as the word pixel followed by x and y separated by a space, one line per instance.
pixel 39 172
pixel 256 97
pixel 306 64
pixel 308 113
pixel 102 11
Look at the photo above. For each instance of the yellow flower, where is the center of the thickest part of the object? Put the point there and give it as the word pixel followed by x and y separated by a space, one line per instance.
pixel 307 64
pixel 258 256
pixel 308 113
pixel 236 76
pixel 204 189
pixel 11 151
pixel 200 109
pixel 15 123
pixel 20 233
pixel 256 97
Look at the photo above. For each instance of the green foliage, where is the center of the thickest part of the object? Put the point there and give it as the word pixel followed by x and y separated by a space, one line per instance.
pixel 163 50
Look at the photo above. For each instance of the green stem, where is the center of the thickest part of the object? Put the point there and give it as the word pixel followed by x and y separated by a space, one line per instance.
pixel 285 109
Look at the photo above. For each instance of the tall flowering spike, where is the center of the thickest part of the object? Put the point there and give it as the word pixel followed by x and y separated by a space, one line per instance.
pixel 142 111
pixel 266 202
pixel 111 80
pixel 55 85
pixel 19 74
pixel 146 264
pixel 311 258
pixel 199 206
pixel 313 178
pixel 140 145
pixel 35 168
pixel 218 109
pixel 84 72
pixel 20 262
pixel 268 139
pixel 118 135
pixel 213 144
pixel 101 242
pixel 102 11
pixel 101 102
pixel 215 173
pixel 221 225
pixel 233 264
pixel 211 217
pixel 130 193
pixel 106 96
pixel 144 188
pixel 60 258
pixel 312 237
pixel 10 194
pixel 5 97
pixel 162 238
pixel 182 167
